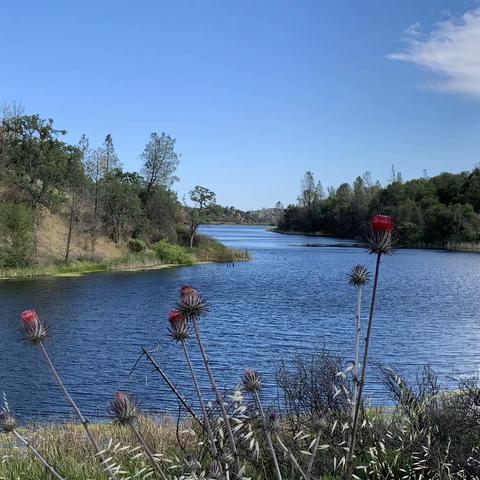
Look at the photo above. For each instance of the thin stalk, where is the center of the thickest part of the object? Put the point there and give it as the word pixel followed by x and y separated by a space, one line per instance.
pixel 357 349
pixel 314 454
pixel 172 387
pixel 200 399
pixel 83 421
pixel 39 456
pixel 351 448
pixel 155 465
pixel 268 436
pixel 292 458
pixel 218 396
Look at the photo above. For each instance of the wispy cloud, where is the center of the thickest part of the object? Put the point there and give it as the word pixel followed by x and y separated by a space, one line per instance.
pixel 451 50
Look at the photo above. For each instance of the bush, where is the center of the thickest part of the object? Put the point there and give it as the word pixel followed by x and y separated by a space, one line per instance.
pixel 16 235
pixel 169 253
pixel 135 245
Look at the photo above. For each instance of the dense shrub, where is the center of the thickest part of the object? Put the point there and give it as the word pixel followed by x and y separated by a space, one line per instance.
pixel 169 253
pixel 16 235
pixel 135 245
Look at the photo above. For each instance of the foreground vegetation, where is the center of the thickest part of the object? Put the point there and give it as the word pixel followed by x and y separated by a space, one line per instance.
pixel 429 211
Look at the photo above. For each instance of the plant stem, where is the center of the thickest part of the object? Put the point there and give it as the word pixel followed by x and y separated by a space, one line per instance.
pixel 357 349
pixel 351 449
pixel 292 458
pixel 268 436
pixel 79 414
pixel 172 387
pixel 200 399
pixel 155 465
pixel 218 396
pixel 39 456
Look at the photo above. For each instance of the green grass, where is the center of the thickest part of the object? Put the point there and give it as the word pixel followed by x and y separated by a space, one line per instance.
pixel 163 253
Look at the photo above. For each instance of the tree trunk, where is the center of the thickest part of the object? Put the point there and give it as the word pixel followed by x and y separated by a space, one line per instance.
pixel 70 231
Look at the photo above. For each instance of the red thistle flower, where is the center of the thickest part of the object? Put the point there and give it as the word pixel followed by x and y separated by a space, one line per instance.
pixel 187 290
pixel 382 223
pixel 175 316
pixel 35 331
pixel 124 408
pixel 192 305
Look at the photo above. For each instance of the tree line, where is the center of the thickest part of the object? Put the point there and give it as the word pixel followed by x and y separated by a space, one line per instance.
pixel 428 210
pixel 88 187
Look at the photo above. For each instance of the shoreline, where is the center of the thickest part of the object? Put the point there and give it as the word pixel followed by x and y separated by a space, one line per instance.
pixel 459 247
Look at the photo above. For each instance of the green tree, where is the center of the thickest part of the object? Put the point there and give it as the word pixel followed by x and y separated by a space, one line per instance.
pixel 202 199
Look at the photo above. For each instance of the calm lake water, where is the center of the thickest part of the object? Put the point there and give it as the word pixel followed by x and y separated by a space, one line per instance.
pixel 289 300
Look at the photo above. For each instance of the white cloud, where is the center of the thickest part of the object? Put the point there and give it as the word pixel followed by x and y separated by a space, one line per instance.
pixel 451 50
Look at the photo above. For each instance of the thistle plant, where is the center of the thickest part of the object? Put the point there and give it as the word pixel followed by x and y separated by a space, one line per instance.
pixel 35 333
pixel 193 307
pixel 380 243
pixel 125 410
pixel 179 332
pixel 359 277
pixel 253 384
pixel 8 424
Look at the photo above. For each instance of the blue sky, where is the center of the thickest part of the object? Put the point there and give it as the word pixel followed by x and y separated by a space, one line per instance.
pixel 256 92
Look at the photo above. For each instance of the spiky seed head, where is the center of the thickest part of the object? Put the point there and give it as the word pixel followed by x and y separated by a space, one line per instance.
pixel 273 421
pixel 191 465
pixel 35 331
pixel 359 276
pixel 215 470
pixel 251 380
pixel 124 408
pixel 381 242
pixel 8 422
pixel 192 305
pixel 179 331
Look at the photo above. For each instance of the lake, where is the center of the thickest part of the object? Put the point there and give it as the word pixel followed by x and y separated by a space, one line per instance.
pixel 289 300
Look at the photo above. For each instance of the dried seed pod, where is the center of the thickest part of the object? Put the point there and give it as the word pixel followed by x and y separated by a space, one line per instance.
pixel 35 331
pixel 124 408
pixel 192 305
pixel 359 276
pixel 252 381
pixel 8 422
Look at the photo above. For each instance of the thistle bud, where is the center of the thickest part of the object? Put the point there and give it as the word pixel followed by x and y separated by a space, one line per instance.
pixel 35 331
pixel 124 408
pixel 380 240
pixel 7 422
pixel 273 421
pixel 192 305
pixel 179 330
pixel 252 381
pixel 359 276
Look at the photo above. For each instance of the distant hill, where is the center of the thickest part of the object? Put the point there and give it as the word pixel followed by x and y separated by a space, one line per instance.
pixel 265 216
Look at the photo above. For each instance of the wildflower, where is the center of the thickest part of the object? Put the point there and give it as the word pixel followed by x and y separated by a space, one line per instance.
pixel 380 240
pixel 175 316
pixel 35 331
pixel 382 223
pixel 251 380
pixel 359 276
pixel 124 408
pixel 7 422
pixel 192 305
pixel 179 331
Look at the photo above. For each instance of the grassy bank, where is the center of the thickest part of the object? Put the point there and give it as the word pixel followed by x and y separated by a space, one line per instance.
pixel 162 255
